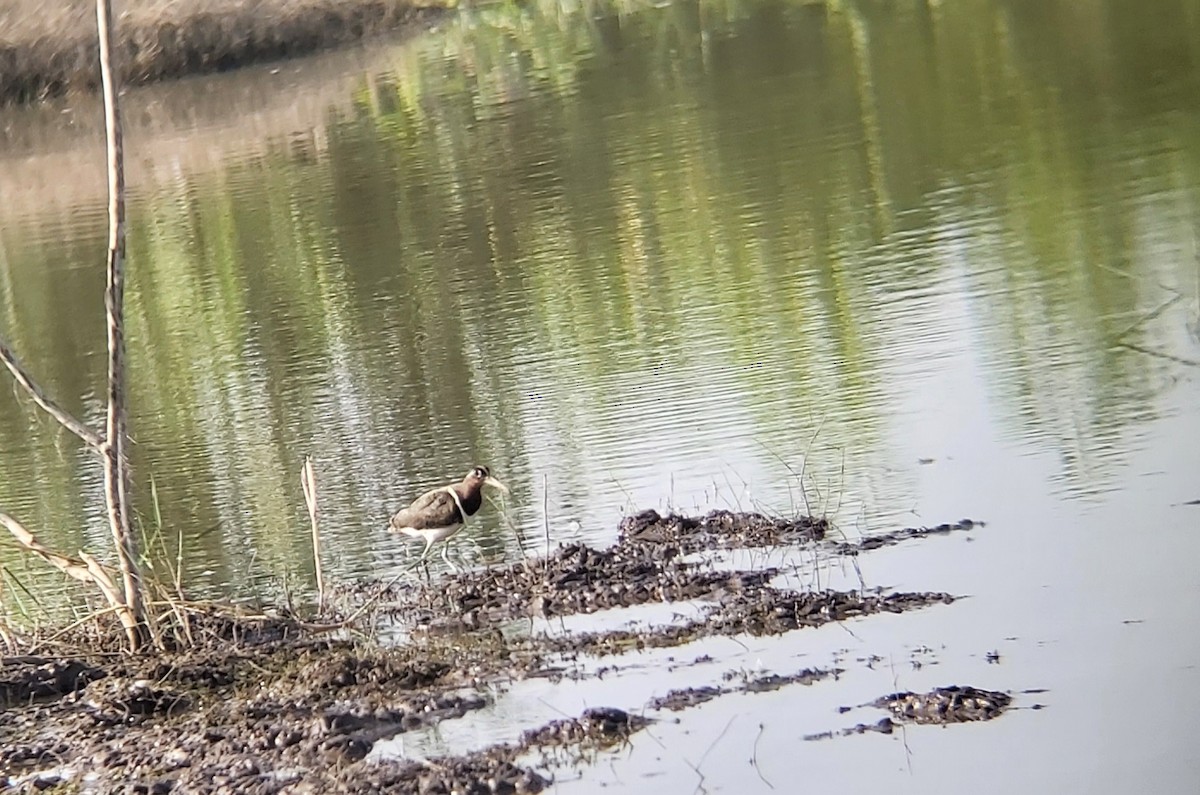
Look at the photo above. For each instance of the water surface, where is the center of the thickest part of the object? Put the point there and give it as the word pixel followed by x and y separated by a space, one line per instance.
pixel 900 263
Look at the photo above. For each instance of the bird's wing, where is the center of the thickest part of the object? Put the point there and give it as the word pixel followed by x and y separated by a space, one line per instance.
pixel 436 508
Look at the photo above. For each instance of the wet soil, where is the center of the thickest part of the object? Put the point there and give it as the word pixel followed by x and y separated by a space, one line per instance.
pixel 275 705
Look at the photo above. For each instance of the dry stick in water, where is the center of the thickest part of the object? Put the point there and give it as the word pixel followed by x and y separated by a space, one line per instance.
pixel 308 481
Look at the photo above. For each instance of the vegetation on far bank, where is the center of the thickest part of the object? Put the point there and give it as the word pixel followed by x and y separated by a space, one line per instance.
pixel 48 48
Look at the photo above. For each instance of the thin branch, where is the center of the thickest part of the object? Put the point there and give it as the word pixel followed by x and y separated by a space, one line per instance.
pixel 39 396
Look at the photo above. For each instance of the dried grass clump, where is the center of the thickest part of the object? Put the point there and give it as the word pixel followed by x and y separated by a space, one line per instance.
pixel 50 47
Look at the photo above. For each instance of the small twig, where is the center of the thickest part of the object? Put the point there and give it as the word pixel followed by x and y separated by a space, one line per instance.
pixel 837 509
pixel 179 560
pixel 72 567
pixel 184 621
pixel 736 499
pixel 308 481
pixel 101 578
pixel 788 467
pixel 804 465
pixel 1159 354
pixel 703 756
pixel 754 757
pixel 510 524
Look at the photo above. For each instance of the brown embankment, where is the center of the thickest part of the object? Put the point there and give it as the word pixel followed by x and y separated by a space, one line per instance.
pixel 48 47
pixel 52 152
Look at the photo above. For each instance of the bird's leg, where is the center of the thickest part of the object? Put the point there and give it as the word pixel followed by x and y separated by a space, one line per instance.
pixel 446 557
pixel 421 560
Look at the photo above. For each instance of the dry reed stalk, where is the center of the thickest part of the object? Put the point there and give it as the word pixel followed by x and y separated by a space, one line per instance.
pixel 308 481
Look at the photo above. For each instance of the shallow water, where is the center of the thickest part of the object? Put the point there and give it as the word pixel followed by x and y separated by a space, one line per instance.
pixel 899 263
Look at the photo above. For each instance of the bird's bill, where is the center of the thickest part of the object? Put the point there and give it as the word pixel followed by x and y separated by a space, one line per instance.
pixel 491 481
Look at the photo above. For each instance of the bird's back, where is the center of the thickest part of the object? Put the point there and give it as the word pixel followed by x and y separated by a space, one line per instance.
pixel 432 509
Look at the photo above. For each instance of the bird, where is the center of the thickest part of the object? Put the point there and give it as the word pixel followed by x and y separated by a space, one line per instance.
pixel 438 514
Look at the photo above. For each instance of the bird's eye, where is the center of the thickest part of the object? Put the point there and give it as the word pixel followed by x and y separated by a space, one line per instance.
pixel 480 472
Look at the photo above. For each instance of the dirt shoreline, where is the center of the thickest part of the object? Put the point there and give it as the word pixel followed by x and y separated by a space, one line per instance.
pixel 47 49
pixel 265 705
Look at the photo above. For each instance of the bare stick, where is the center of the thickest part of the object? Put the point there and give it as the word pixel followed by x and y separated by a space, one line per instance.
pixel 308 481
pixel 116 463
pixel 39 396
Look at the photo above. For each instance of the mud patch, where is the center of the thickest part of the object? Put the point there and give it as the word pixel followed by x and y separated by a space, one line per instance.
pixel 946 705
pixel 762 611
pixel 942 706
pixel 878 540
pixel 719 530
pixel 687 698
pixel 598 727
pixel 116 701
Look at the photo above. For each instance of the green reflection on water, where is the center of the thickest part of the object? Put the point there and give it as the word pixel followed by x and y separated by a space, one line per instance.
pixel 553 241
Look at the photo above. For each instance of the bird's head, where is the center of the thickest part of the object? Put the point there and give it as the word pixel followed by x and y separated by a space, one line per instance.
pixel 482 476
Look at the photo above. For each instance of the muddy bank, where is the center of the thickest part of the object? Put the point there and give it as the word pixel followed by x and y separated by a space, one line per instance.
pixel 275 705
pixel 50 48
pixel 647 564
